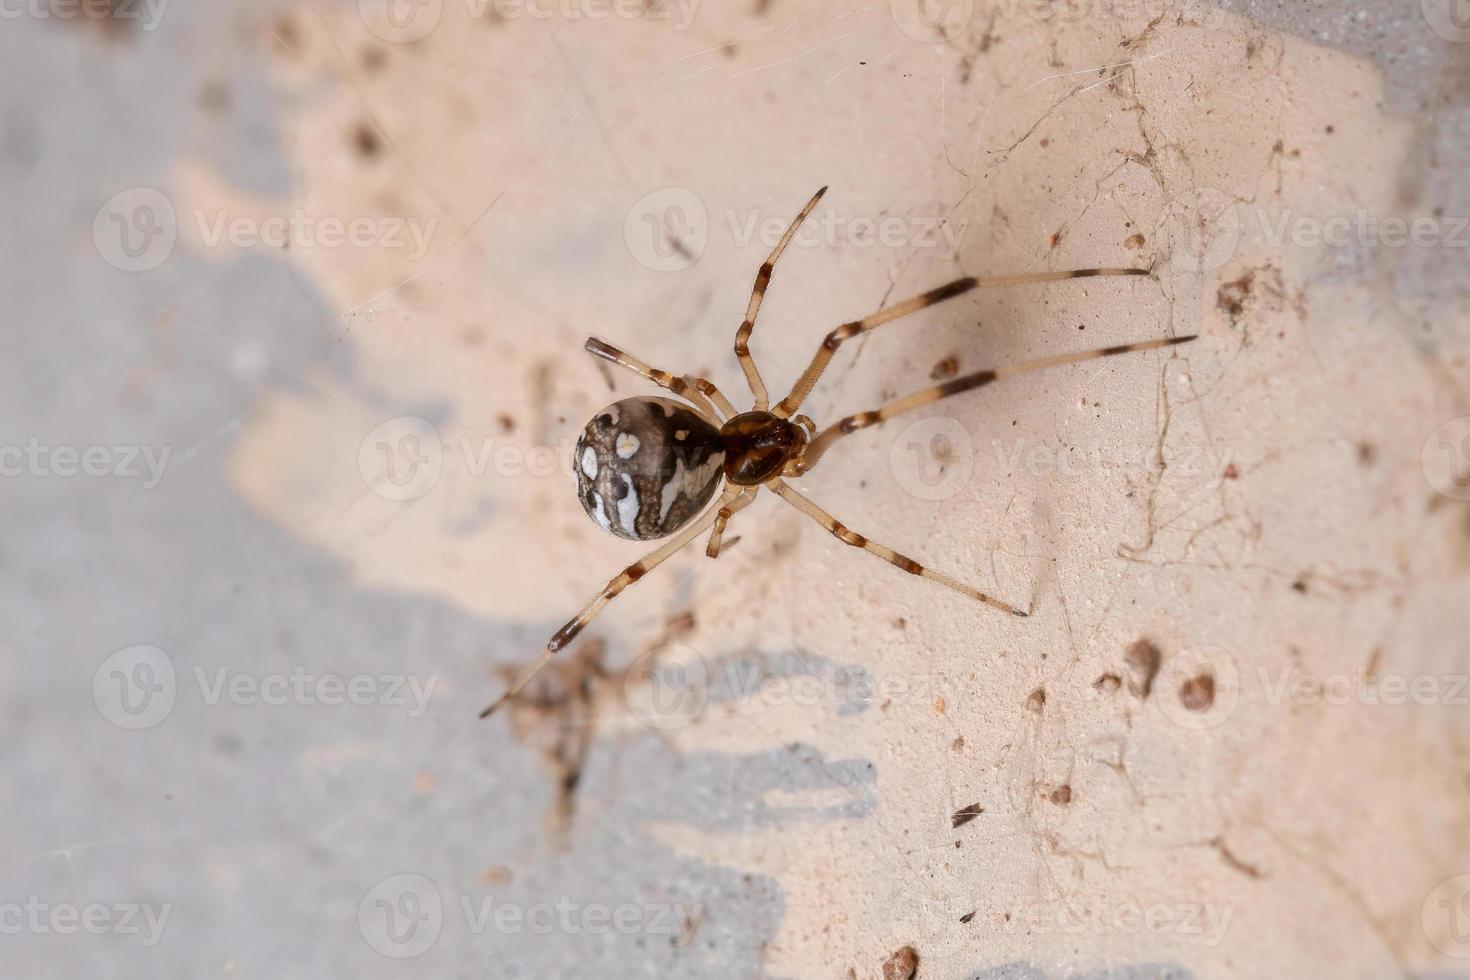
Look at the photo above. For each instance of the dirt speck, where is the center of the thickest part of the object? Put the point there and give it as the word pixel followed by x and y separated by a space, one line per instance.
pixel 964 815
pixel 496 874
pixel 1144 659
pixel 1198 693
pixel 366 141
pixel 1231 297
pixel 902 965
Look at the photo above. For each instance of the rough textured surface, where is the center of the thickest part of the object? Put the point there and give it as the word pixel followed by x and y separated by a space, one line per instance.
pixel 1231 740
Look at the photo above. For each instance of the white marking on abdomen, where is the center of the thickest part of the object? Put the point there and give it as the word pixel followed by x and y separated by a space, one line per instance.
pixel 628 507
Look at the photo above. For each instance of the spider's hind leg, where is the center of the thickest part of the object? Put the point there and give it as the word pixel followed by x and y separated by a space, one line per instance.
pixel 850 537
pixel 621 581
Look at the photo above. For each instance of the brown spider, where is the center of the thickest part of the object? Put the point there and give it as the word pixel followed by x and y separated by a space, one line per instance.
pixel 647 466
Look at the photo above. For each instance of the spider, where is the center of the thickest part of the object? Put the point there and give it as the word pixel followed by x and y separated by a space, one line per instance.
pixel 647 466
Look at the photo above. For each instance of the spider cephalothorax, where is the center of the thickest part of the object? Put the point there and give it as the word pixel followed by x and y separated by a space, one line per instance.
pixel 647 467
pixel 758 445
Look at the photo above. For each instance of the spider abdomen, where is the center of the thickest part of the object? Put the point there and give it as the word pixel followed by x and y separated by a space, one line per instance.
pixel 647 466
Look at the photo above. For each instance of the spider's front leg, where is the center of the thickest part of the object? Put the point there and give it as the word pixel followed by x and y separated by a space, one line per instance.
pixel 753 308
pixel 700 392
pixel 969 382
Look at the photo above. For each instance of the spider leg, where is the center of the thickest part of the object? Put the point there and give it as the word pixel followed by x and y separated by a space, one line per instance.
pixel 698 391
pixel 757 295
pixel 621 581
pixel 738 503
pixel 979 379
pixel 847 331
pixel 850 537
